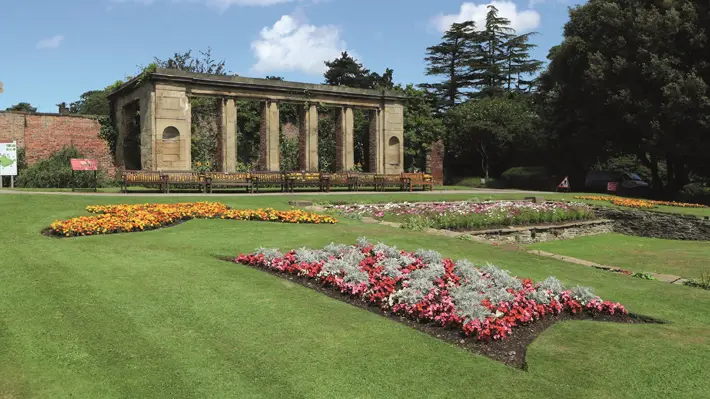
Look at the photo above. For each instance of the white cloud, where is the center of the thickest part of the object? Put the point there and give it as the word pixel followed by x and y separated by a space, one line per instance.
pixel 50 42
pixel 521 21
pixel 294 45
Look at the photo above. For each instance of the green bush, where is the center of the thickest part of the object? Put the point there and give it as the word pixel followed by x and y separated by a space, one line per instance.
pixel 696 193
pixel 473 221
pixel 474 182
pixel 528 178
pixel 56 172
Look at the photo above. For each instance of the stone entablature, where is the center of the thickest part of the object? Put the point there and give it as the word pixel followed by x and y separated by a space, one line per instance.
pixel 159 139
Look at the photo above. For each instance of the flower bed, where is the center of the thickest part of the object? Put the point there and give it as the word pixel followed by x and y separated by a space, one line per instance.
pixel 486 303
pixel 637 203
pixel 127 218
pixel 470 215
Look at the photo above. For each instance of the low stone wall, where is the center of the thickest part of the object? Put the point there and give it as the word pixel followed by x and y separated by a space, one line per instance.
pixel 533 234
pixel 656 224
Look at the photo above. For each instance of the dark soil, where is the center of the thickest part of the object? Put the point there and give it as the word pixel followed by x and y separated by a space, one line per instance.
pixel 510 351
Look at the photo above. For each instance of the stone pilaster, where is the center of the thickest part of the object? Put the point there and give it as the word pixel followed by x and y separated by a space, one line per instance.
pixel 228 136
pixel 344 143
pixel 393 138
pixel 269 137
pixel 308 138
pixel 376 158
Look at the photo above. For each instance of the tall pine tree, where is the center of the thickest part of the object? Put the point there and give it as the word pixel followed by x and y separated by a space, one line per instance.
pixel 452 58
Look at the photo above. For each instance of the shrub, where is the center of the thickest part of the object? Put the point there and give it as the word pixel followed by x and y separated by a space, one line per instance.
pixel 56 172
pixel 697 193
pixel 528 178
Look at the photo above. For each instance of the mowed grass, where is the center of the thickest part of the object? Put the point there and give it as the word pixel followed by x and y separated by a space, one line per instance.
pixel 639 254
pixel 156 315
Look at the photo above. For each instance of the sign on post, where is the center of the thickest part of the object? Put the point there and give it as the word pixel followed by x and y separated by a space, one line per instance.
pixel 564 185
pixel 8 159
pixel 83 164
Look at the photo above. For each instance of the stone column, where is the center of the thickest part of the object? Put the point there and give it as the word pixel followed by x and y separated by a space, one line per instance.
pixel 393 138
pixel 308 138
pixel 375 142
pixel 344 151
pixel 269 150
pixel 228 136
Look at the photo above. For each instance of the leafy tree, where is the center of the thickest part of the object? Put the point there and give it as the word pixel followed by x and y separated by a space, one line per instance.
pixel 197 63
pixel 346 71
pixel 632 76
pixel 488 126
pixel 421 127
pixel 92 102
pixel 23 107
pixel 453 59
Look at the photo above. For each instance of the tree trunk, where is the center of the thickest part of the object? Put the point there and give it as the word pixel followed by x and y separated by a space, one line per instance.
pixel 484 159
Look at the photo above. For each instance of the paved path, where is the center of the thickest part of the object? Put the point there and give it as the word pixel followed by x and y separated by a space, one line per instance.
pixel 481 191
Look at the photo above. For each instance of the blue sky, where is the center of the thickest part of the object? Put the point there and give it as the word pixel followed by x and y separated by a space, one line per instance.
pixel 52 51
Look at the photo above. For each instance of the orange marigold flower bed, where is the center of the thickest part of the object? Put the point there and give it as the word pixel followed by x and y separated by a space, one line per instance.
pixel 140 217
pixel 637 203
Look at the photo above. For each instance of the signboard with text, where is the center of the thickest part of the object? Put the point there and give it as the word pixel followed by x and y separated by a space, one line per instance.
pixel 611 186
pixel 83 164
pixel 8 159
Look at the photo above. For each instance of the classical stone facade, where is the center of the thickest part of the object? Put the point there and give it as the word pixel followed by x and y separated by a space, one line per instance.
pixel 152 114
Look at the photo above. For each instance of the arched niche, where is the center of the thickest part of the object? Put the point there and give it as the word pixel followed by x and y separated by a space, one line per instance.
pixel 171 134
pixel 393 151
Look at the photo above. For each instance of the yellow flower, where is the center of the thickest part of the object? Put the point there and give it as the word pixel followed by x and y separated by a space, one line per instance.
pixel 207 163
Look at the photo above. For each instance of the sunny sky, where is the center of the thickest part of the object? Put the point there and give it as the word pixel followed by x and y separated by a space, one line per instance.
pixel 52 51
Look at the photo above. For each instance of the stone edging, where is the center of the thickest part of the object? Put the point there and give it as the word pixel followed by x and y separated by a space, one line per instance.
pixel 666 278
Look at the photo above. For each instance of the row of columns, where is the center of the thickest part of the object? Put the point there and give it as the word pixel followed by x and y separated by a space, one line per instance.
pixel 269 144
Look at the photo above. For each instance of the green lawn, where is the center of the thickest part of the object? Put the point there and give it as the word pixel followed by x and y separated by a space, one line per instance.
pixel 639 254
pixel 155 314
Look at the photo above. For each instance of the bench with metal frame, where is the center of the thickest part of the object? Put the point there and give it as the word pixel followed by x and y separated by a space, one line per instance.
pixel 263 179
pixel 305 179
pixel 224 179
pixel 183 179
pixel 141 178
pixel 382 182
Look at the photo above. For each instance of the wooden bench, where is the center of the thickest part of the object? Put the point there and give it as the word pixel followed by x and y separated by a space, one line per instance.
pixel 223 179
pixel 418 179
pixel 385 181
pixel 305 179
pixel 268 179
pixel 337 180
pixel 182 178
pixel 141 178
pixel 360 180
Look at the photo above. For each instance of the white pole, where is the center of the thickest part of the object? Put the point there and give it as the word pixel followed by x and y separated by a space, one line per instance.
pixel 12 181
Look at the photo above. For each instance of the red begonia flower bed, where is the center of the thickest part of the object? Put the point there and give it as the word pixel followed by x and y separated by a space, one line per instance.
pixel 482 308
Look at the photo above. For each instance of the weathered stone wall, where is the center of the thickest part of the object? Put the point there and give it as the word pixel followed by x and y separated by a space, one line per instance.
pixel 656 224
pixel 529 235
pixel 44 134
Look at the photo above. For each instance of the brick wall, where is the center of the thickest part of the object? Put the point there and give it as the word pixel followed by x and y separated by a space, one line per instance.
pixel 12 127
pixel 43 134
pixel 436 162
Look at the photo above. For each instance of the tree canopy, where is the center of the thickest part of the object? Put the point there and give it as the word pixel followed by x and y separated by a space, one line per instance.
pixel 23 107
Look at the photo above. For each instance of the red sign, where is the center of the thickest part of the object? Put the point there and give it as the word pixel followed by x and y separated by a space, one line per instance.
pixel 611 186
pixel 83 164
pixel 565 183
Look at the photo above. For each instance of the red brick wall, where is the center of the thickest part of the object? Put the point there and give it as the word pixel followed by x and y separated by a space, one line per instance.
pixel 436 155
pixel 12 128
pixel 43 134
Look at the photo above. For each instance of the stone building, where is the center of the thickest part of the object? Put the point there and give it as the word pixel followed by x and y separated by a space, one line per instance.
pixel 152 115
